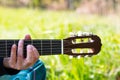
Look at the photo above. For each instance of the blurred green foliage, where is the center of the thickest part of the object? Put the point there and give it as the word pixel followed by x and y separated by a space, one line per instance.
pixel 15 23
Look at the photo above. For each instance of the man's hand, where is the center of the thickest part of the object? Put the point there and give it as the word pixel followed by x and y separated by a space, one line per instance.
pixel 18 61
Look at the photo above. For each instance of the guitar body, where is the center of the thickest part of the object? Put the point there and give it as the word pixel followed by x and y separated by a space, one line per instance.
pixel 36 72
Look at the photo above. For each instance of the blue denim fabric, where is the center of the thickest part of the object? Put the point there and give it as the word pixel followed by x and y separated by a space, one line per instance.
pixel 36 72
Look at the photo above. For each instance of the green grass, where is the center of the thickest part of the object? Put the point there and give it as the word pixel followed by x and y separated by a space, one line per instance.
pixel 15 23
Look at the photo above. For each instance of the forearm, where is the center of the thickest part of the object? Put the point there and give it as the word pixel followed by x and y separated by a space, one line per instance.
pixel 4 70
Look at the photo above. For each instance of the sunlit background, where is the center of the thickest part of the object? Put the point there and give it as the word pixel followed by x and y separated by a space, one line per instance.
pixel 55 19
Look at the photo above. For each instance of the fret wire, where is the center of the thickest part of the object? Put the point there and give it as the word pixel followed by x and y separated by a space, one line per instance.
pixel 14 41
pixel 41 47
pixel 6 47
pixel 51 46
pixel 32 42
pixel 62 46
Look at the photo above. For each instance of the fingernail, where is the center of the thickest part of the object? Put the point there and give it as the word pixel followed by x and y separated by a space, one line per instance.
pixel 20 41
pixel 14 45
pixel 29 47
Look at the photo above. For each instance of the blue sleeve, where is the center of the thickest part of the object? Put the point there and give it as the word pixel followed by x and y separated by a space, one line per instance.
pixel 36 72
pixel 4 70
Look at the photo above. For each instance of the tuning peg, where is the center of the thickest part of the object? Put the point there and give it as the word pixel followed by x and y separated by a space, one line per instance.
pixel 72 34
pixel 90 33
pixel 90 40
pixel 87 33
pixel 79 33
pixel 70 57
pixel 90 51
pixel 86 56
pixel 84 33
pixel 78 57
pixel 89 55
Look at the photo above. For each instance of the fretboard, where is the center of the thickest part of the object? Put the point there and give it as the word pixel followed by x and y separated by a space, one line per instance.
pixel 44 47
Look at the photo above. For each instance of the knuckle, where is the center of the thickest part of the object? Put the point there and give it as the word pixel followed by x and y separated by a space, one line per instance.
pixel 20 55
pixel 10 62
pixel 20 49
pixel 36 57
pixel 18 68
pixel 29 48
pixel 28 62
pixel 12 66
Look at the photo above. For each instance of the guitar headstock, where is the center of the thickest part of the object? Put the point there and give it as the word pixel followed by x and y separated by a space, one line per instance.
pixel 82 44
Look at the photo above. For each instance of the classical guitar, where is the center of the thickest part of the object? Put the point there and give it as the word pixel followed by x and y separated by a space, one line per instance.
pixel 77 45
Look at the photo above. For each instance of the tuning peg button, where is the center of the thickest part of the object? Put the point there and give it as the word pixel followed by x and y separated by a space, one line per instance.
pixel 70 57
pixel 79 33
pixel 78 57
pixel 72 34
pixel 86 56
pixel 90 55
pixel 87 33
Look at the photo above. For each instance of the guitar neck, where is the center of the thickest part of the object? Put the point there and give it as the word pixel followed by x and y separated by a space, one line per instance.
pixel 44 46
